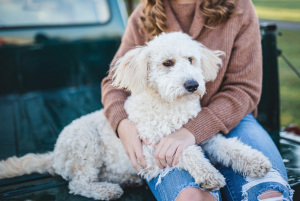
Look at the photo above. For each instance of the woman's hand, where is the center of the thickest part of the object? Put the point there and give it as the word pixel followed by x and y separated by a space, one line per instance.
pixel 173 145
pixel 132 143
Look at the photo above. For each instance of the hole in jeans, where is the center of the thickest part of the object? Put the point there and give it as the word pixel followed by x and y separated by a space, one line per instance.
pixel 271 195
pixel 213 195
pixel 272 176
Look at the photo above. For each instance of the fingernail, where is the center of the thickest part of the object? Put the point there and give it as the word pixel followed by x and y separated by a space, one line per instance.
pixel 147 141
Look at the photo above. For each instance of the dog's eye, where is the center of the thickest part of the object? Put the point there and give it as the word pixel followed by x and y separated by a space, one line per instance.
pixel 168 63
pixel 190 60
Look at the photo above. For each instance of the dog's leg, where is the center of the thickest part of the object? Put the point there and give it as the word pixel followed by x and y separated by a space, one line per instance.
pixel 97 191
pixel 85 182
pixel 124 180
pixel 206 175
pixel 79 155
pixel 85 166
pixel 232 152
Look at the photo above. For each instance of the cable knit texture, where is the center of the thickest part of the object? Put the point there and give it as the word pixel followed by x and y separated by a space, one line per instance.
pixel 184 14
pixel 236 91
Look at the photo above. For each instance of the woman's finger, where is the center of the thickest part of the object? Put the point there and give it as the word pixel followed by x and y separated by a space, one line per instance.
pixel 179 151
pixel 139 153
pixel 134 161
pixel 163 151
pixel 171 153
pixel 158 163
pixel 157 150
pixel 146 141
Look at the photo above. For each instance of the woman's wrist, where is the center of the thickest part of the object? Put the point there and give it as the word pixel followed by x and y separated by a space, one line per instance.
pixel 121 126
pixel 189 134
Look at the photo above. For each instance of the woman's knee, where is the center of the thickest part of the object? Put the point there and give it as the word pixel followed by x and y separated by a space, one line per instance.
pixel 271 195
pixel 195 194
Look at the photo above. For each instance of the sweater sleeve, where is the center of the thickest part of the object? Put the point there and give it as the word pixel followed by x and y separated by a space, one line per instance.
pixel 240 91
pixel 112 98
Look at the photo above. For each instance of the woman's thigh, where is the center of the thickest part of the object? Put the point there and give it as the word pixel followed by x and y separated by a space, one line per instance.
pixel 168 185
pixel 239 187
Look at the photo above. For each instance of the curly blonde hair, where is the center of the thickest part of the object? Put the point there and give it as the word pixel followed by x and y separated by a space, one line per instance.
pixel 153 19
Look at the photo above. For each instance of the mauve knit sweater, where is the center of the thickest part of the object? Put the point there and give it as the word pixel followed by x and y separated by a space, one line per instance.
pixel 236 91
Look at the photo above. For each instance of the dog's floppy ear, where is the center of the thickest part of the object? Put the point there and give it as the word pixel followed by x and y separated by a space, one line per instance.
pixel 210 62
pixel 131 70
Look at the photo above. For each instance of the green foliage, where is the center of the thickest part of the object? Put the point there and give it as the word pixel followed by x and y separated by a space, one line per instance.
pixel 278 9
pixel 289 43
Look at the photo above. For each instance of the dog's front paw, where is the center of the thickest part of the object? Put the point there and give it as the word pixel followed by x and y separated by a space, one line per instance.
pixel 111 192
pixel 150 172
pixel 258 165
pixel 210 181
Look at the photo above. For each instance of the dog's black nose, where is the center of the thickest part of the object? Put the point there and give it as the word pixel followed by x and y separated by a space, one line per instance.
pixel 191 85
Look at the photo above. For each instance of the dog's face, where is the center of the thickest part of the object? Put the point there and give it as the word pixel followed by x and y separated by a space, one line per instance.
pixel 173 65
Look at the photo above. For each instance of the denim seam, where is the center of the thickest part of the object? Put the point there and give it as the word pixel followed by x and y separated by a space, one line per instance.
pixel 229 192
pixel 228 182
pixel 230 187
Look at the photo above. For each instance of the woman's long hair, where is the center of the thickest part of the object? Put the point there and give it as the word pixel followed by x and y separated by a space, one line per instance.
pixel 153 19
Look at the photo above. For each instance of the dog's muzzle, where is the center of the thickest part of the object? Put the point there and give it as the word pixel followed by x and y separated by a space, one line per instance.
pixel 191 85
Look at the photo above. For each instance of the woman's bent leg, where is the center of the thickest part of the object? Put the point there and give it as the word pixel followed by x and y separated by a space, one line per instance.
pixel 174 184
pixel 274 185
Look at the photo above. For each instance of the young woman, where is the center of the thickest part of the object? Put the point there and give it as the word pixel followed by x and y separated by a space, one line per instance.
pixel 229 106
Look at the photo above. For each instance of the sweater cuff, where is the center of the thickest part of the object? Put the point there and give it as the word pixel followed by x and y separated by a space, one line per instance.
pixel 117 114
pixel 205 125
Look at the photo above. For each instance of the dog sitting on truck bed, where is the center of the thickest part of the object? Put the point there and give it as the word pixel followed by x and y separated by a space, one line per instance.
pixel 166 82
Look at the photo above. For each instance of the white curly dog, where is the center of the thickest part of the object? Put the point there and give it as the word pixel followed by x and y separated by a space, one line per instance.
pixel 166 82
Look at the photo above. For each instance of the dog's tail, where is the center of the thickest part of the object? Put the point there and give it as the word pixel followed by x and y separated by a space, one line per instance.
pixel 30 163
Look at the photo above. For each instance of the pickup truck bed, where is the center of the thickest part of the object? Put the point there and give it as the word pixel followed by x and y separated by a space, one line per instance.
pixel 32 122
pixel 51 75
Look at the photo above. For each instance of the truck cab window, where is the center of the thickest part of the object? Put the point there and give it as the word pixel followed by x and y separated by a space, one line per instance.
pixel 22 13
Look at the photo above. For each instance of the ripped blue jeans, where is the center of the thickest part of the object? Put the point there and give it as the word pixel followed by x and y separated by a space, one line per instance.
pixel 238 187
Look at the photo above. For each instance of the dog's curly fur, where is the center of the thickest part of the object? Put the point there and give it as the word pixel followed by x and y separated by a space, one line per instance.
pixel 89 154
